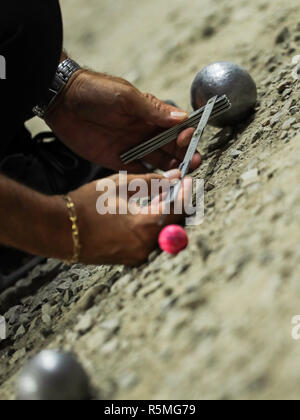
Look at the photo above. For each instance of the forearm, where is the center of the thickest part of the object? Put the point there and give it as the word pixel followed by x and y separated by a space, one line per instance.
pixel 33 222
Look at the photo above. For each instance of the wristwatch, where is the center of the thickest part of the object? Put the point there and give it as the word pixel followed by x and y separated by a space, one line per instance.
pixel 64 72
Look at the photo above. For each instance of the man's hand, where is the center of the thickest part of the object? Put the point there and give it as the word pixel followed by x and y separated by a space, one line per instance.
pixel 116 238
pixel 40 224
pixel 99 117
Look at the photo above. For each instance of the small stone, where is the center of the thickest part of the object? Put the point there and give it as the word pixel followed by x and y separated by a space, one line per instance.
pixel 128 380
pixel 294 110
pixel 152 257
pixel 204 248
pixel 64 286
pixel 110 347
pixel 133 288
pixel 235 153
pixel 66 297
pixel 284 135
pixel 13 314
pixel 283 86
pixel 275 120
pixel 283 35
pixel 85 324
pixel 209 187
pixel 20 332
pixel 111 325
pixel 122 283
pixel 273 111
pixel 211 204
pixel 288 124
pixel 257 135
pixel 152 288
pixel 286 93
pixel 46 318
pixel 46 309
pixel 17 356
pixel 250 177
pixel 88 300
pixel 265 123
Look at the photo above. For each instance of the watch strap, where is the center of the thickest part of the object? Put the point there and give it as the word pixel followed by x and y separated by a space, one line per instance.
pixel 64 72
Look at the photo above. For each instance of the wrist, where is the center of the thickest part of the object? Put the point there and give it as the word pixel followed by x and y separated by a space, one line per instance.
pixel 64 72
pixel 66 100
pixel 54 234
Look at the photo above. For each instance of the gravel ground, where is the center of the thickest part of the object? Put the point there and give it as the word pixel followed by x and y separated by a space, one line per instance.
pixel 215 321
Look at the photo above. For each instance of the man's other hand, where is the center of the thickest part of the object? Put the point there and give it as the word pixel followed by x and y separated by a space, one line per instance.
pixel 99 117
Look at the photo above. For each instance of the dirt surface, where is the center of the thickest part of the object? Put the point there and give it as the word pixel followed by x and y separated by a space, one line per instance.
pixel 215 321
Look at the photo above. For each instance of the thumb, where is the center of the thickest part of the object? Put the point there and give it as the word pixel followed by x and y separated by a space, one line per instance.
pixel 168 177
pixel 155 112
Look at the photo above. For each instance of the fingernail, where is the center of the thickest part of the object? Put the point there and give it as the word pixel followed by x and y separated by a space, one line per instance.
pixel 172 173
pixel 179 115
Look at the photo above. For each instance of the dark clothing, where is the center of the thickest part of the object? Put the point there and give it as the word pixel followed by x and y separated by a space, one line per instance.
pixel 31 43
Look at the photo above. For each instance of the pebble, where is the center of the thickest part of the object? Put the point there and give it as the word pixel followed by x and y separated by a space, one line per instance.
pixel 265 123
pixel 209 186
pixel 288 124
pixel 235 153
pixel 283 36
pixel 276 118
pixel 286 93
pixel 152 288
pixel 85 324
pixel 110 347
pixel 17 356
pixel 46 314
pixel 112 325
pixel 282 87
pixel 20 332
pixel 250 177
pixel 128 380
pixel 133 288
pixel 88 300
pixel 204 247
pixel 258 134
pixel 122 283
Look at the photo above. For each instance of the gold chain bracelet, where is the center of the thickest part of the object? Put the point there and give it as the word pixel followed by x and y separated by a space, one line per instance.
pixel 75 229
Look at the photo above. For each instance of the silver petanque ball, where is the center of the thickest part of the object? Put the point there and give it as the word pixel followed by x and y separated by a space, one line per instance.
pixel 53 376
pixel 225 78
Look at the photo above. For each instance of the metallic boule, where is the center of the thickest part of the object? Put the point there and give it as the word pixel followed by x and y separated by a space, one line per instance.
pixel 225 78
pixel 53 375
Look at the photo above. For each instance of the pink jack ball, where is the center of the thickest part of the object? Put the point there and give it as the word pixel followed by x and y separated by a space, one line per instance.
pixel 173 239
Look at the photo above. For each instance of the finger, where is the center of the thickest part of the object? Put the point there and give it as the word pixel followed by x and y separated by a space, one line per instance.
pixel 175 211
pixel 178 154
pixel 157 113
pixel 185 137
pixel 146 181
pixel 183 141
pixel 160 159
